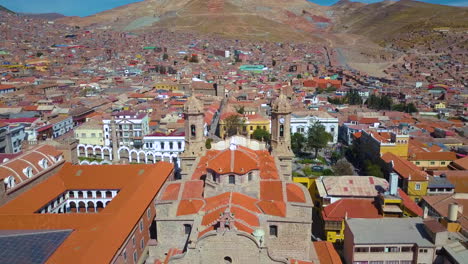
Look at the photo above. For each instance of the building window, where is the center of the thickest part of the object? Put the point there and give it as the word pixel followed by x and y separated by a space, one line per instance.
pixel 227 260
pixel 405 249
pixel 179 145
pixel 376 249
pixel 171 145
pixel 83 135
pixel 125 254
pixel 392 249
pixel 187 229
pixel 432 162
pixel 442 163
pixel 141 225
pixel 417 162
pixel 423 250
pixel 192 130
pixel 250 176
pixel 332 129
pixel 148 213
pixel 133 240
pixel 232 179
pixel 162 145
pixel 135 256
pixel 274 230
pixel 417 186
pixel 361 249
pixel 281 132
pixel 251 128
pixel 142 243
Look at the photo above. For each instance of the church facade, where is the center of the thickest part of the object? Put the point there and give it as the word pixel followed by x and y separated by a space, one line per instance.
pixel 236 202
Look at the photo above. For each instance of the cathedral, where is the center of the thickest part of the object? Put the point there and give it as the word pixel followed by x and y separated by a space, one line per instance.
pixel 235 202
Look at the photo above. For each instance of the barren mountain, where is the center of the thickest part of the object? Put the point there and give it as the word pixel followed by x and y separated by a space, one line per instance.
pixel 265 19
pixel 384 20
pixel 47 16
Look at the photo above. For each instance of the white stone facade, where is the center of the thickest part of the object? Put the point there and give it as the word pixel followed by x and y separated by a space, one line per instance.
pixel 300 123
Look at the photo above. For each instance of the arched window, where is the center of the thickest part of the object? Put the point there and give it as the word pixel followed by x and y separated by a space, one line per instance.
pixel 89 194
pixel 9 182
pixel 193 131
pixel 171 145
pixel 28 172
pixel 281 132
pixel 43 163
pixel 232 179
pixel 227 260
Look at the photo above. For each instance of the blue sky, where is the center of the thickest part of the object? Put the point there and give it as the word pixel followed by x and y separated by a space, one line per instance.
pixel 88 7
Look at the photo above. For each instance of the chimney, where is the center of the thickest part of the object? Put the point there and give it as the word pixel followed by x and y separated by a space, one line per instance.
pixel 453 212
pixel 393 183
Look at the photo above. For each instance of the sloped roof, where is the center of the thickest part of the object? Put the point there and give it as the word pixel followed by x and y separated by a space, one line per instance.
pixel 352 208
pixel 404 168
pixel 96 236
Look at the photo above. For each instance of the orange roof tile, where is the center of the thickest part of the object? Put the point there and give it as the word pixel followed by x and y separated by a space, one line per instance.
pixel 353 208
pixel 188 207
pixel 193 189
pixel 96 236
pixel 295 193
pixel 171 192
pixel 273 208
pixel 326 253
pixel 271 190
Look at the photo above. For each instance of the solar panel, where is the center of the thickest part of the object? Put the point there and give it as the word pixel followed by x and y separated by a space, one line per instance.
pixel 26 246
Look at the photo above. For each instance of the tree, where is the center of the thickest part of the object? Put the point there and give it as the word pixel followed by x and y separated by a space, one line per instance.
pixel 411 108
pixel 299 76
pixel 353 97
pixel 240 110
pixel 343 167
pixel 208 143
pixel 261 134
pixel 232 124
pixel 317 137
pixel 165 56
pixel 372 169
pixel 297 143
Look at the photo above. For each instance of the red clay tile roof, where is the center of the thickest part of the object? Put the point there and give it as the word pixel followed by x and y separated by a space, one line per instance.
pixel 410 204
pixel 434 156
pixel 271 190
pixel 326 253
pixel 352 208
pixel 295 193
pixel 96 236
pixel 171 192
pixel 404 168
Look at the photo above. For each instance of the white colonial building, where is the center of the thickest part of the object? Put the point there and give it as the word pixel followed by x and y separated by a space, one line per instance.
pixel 173 142
pixel 131 127
pixel 300 122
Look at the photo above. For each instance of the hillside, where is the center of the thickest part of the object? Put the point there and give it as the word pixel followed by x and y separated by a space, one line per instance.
pixel 47 16
pixel 4 9
pixel 260 19
pixel 384 20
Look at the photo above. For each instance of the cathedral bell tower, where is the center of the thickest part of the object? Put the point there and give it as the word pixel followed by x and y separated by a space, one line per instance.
pixel 281 135
pixel 194 138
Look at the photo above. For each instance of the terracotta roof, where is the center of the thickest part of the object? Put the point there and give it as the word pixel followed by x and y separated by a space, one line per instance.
pixel 409 204
pixel 95 236
pixel 434 156
pixel 352 208
pixel 461 163
pixel 233 161
pixel 295 193
pixel 326 253
pixel 404 168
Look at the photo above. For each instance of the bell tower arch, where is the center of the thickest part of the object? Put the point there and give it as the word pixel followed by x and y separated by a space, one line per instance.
pixel 281 135
pixel 194 134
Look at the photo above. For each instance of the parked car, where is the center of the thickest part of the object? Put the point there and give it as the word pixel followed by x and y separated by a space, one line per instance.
pixel 317 168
